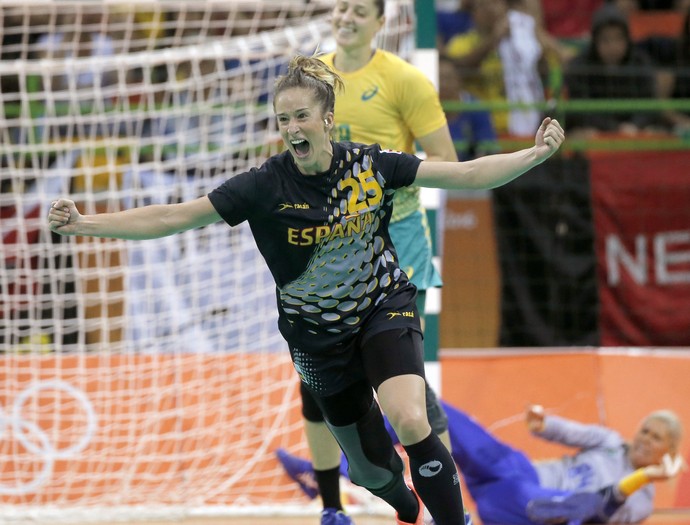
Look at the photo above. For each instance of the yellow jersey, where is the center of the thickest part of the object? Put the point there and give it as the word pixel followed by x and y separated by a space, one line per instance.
pixel 388 102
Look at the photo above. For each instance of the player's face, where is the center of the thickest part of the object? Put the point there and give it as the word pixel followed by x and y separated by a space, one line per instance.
pixel 650 443
pixel 487 13
pixel 355 23
pixel 612 45
pixel 305 129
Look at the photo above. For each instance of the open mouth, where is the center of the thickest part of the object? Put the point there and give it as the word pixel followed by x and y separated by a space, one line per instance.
pixel 345 31
pixel 301 147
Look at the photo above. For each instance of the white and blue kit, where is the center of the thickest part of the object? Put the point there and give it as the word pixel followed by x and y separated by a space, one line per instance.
pixel 502 480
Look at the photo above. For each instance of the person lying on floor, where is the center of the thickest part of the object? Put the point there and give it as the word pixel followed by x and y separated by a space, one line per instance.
pixel 606 479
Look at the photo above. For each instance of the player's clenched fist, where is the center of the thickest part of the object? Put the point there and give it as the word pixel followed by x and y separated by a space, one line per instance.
pixel 63 217
pixel 534 417
pixel 550 136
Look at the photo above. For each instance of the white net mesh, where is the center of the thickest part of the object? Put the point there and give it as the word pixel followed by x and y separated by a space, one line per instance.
pixel 151 374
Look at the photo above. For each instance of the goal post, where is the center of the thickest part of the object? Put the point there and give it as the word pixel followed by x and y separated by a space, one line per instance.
pixel 144 377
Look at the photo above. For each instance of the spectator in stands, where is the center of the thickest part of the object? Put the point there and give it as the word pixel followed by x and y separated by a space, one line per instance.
pixel 611 67
pixel 79 38
pixel 452 21
pixel 472 131
pixel 83 37
pixel 675 80
pixel 20 32
pixel 557 52
pixel 499 60
pixel 564 22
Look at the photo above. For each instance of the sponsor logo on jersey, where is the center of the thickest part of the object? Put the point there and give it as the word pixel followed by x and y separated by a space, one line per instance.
pixel 370 93
pixel 397 152
pixel 393 315
pixel 296 206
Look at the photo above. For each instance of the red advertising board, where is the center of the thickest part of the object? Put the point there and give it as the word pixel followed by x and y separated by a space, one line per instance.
pixel 641 207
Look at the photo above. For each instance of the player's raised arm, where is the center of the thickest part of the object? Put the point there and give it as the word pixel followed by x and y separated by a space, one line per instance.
pixel 148 222
pixel 493 170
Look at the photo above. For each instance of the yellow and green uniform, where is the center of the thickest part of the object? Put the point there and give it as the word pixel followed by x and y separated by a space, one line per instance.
pixel 390 102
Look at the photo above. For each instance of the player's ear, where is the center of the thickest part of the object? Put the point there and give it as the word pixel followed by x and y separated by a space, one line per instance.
pixel 328 121
pixel 382 22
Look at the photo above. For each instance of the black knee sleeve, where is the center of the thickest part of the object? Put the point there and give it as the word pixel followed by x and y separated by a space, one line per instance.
pixel 373 461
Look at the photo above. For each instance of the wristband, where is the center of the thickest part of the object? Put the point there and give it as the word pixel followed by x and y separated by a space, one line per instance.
pixel 633 482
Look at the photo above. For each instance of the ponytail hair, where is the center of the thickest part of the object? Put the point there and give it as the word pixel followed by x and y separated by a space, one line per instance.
pixel 311 73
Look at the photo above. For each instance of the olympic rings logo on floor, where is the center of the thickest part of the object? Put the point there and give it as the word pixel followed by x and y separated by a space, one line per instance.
pixel 36 440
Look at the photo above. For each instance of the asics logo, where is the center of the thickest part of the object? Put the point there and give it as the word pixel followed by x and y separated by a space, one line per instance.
pixel 430 469
pixel 370 93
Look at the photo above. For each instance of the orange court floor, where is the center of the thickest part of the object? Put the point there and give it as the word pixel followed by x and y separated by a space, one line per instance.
pixel 675 517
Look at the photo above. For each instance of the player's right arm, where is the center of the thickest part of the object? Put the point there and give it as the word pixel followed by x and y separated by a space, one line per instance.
pixel 148 222
pixel 534 418
pixel 576 434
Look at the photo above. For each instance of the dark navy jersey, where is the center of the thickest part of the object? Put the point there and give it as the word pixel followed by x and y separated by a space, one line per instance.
pixel 324 237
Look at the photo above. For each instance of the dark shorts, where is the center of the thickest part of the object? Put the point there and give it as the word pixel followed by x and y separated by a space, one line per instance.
pixel 388 352
pixel 379 364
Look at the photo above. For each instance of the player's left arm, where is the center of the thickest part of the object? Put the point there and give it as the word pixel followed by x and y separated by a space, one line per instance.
pixel 614 503
pixel 493 170
pixel 617 495
pixel 668 468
